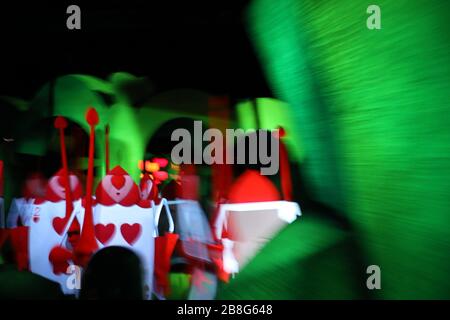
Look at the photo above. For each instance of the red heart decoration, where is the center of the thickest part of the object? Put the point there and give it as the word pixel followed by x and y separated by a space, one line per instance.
pixel 104 232
pixel 118 181
pixel 130 232
pixel 59 224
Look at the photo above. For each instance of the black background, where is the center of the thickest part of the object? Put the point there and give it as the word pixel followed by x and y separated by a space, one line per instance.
pixel 176 44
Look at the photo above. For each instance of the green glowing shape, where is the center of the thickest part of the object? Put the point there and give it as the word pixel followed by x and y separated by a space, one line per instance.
pixel 246 115
pixel 272 113
pixel 372 112
pixel 127 144
pixel 299 267
pixel 131 126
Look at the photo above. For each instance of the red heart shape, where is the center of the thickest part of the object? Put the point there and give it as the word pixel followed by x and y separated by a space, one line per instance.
pixel 118 181
pixel 130 232
pixel 59 224
pixel 104 232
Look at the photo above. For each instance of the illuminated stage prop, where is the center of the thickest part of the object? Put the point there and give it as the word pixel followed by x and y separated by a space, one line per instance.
pixel 119 217
pixel 66 228
pixel 44 236
pixel 249 227
pixel 254 213
pixel 49 250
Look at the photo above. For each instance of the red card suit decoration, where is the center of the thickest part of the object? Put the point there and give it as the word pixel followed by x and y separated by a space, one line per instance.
pixel 117 187
pixel 104 233
pixel 130 232
pixel 88 243
pixel 122 219
pixel 56 188
pixel 59 224
pixel 56 191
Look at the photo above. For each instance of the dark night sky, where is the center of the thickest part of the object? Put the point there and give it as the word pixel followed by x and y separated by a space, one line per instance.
pixel 176 44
